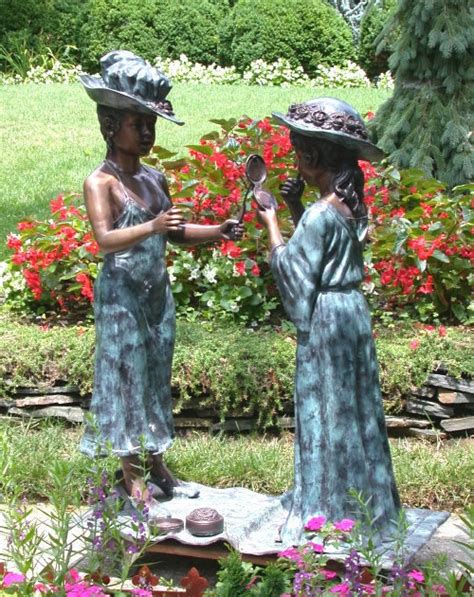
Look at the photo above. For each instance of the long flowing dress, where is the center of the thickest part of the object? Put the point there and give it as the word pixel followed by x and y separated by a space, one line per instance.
pixel 135 330
pixel 341 441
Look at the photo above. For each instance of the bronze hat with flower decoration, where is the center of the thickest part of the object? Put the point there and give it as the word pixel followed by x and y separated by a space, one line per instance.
pixel 130 83
pixel 334 120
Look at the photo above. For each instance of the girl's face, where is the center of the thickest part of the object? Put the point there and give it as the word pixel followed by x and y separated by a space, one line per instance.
pixel 136 135
pixel 309 172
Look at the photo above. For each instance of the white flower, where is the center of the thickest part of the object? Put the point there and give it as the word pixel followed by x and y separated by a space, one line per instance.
pixel 209 274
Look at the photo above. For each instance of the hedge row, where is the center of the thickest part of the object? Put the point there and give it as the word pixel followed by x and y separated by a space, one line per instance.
pixel 307 32
pixel 230 370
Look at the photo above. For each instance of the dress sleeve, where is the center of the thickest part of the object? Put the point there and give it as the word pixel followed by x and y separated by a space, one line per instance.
pixel 297 267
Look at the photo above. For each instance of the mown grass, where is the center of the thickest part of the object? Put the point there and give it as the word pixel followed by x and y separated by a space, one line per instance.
pixel 428 475
pixel 50 140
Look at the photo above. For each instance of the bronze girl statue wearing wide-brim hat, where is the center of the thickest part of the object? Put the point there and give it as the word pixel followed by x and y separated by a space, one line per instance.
pixel 132 216
pixel 341 441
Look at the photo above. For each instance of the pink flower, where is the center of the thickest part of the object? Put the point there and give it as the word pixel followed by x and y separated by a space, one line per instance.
pixel 416 575
pixel 316 523
pixel 442 331
pixel 328 574
pixel 12 578
pixel 345 525
pixel 291 553
pixel 341 589
pixel 414 344
pixel 316 547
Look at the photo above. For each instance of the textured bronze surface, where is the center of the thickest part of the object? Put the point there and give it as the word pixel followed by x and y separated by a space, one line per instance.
pixel 335 121
pixel 204 522
pixel 163 526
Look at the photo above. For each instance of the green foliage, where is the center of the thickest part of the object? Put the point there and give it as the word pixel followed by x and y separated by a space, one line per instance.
pixel 231 371
pixel 375 18
pixel 118 24
pixel 420 254
pixel 31 28
pixel 190 28
pixel 428 121
pixel 306 32
pixel 234 576
pixel 152 28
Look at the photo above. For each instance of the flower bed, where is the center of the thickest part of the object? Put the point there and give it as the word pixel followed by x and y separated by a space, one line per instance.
pixel 419 257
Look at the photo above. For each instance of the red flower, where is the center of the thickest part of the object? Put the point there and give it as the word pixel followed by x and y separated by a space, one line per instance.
pixel 255 271
pixel 428 286
pixel 24 225
pixel 33 281
pixel 239 268
pixel 230 249
pixel 414 344
pixel 442 331
pixel 56 204
pixel 13 242
pixel 86 289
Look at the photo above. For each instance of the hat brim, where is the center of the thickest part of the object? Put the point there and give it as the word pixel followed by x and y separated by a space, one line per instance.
pixel 99 93
pixel 365 149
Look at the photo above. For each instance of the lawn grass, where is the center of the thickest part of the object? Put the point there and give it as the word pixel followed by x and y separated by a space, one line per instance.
pixel 50 139
pixel 428 475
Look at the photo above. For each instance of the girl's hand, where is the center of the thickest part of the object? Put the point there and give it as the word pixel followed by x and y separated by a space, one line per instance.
pixel 292 190
pixel 173 219
pixel 267 216
pixel 232 230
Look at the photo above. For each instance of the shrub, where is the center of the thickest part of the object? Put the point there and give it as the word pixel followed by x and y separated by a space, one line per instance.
pixel 375 17
pixel 305 32
pixel 34 27
pixel 51 70
pixel 183 70
pixel 190 28
pixel 54 262
pixel 421 254
pixel 151 28
pixel 118 24
pixel 280 73
pixel 227 369
pixel 418 263
pixel 427 122
pixel 347 75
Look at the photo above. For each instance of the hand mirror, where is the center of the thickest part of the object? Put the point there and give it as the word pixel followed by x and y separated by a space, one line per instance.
pixel 256 173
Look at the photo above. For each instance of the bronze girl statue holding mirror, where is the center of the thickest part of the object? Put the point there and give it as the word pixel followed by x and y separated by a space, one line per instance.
pixel 341 442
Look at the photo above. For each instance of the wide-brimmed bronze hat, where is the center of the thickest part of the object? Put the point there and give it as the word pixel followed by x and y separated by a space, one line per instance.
pixel 334 120
pixel 130 83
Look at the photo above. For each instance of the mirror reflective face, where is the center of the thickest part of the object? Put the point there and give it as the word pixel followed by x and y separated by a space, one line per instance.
pixel 255 169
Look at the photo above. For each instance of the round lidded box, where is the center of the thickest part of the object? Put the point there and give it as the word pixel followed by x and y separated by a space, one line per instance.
pixel 163 526
pixel 204 522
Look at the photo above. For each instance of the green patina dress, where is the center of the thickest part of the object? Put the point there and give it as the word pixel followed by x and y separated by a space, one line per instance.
pixel 135 329
pixel 341 440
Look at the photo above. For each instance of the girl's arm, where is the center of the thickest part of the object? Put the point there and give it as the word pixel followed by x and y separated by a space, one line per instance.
pixel 193 234
pixel 269 219
pixel 97 195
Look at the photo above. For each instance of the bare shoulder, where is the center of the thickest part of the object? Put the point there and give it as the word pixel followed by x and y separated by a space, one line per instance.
pixel 156 175
pixel 98 181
